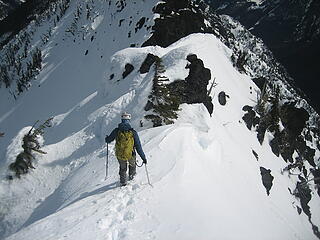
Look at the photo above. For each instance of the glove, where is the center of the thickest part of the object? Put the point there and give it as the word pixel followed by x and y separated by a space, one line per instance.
pixel 144 161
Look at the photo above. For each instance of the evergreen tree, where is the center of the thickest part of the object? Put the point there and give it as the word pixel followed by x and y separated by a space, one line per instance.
pixel 30 144
pixel 164 103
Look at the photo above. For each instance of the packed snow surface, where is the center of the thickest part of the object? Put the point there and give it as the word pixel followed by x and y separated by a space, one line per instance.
pixel 206 183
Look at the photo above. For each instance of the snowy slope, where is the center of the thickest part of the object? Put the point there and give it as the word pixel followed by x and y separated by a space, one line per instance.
pixel 206 181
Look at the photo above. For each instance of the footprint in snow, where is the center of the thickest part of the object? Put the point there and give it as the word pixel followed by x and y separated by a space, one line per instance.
pixel 128 216
pixel 130 202
pixel 104 223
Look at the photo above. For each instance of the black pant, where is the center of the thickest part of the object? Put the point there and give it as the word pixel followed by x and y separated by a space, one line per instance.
pixel 123 166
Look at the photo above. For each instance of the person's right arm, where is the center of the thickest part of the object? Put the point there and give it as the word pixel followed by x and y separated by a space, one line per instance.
pixel 112 136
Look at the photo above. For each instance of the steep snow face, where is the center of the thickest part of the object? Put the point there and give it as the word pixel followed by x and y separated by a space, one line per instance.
pixel 74 64
pixel 205 178
pixel 7 6
pixel 205 171
pixel 290 29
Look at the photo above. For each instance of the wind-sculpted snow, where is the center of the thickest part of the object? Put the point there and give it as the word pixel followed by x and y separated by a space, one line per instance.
pixel 204 174
pixel 204 169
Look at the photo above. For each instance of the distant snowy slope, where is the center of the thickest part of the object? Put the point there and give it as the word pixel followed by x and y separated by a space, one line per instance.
pixel 67 90
pixel 208 172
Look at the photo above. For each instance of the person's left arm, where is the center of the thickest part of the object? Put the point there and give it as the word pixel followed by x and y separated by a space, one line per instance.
pixel 138 147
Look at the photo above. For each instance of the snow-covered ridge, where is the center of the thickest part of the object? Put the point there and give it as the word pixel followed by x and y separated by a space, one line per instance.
pixel 192 166
pixel 206 177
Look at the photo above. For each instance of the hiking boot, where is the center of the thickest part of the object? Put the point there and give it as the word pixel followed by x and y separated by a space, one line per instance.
pixel 122 184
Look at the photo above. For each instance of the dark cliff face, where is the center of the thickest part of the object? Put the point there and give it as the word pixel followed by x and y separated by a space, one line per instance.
pixel 20 14
pixel 291 29
pixel 7 6
pixel 178 19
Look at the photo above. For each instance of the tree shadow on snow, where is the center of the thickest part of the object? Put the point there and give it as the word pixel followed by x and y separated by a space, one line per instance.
pixel 53 203
pixel 94 192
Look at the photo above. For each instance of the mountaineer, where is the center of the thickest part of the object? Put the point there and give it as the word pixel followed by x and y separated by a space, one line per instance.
pixel 127 142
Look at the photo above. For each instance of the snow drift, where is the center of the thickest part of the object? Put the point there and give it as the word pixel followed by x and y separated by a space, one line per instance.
pixel 207 182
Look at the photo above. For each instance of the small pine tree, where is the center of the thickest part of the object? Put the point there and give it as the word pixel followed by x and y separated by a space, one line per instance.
pixel 275 108
pixel 30 143
pixel 164 103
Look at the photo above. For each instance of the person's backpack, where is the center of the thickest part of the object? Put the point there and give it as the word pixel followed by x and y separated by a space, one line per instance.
pixel 124 145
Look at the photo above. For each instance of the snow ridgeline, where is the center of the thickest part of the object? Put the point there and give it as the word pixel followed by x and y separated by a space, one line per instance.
pixel 206 180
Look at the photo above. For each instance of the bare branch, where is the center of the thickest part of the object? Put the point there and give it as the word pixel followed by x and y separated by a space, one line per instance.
pixel 214 84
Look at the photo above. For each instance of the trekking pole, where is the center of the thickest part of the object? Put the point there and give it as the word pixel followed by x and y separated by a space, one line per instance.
pixel 145 165
pixel 107 161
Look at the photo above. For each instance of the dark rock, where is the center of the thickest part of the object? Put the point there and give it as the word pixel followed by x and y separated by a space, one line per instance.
pixel 299 210
pixel 260 82
pixel 274 144
pixel 128 69
pixel 196 83
pixel 239 61
pixel 286 150
pixel 121 5
pixel 169 6
pixel 209 105
pixel 111 76
pixel 162 8
pixel 250 117
pixel 177 20
pixel 316 175
pixel 222 98
pixel 247 108
pixel 293 119
pixel 120 22
pixel 305 151
pixel 289 139
pixel 303 192
pixel 255 154
pixel 315 229
pixel 267 178
pixel 177 5
pixel 86 52
pixel 140 23
pixel 145 66
pixel 192 57
pixel 261 130
pixel 148 106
